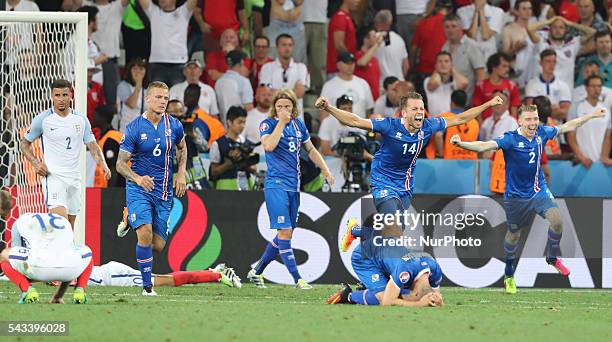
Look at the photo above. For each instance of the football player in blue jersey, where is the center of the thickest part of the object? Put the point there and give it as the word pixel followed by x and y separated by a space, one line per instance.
pixel 526 190
pixel 149 143
pixel 282 137
pixel 392 276
pixel 403 139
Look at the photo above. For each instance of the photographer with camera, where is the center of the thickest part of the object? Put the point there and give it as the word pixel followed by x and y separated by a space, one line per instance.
pixel 232 160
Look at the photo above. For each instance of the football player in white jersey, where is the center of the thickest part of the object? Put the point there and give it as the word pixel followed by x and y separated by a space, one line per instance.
pixel 62 132
pixel 42 249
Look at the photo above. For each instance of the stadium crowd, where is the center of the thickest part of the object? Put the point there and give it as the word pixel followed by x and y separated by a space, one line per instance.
pixel 224 60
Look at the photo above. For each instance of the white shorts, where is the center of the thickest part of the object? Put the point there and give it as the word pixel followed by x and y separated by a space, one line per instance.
pixel 44 265
pixel 116 274
pixel 62 192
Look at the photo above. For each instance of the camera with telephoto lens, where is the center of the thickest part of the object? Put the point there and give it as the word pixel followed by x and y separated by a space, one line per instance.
pixel 351 148
pixel 247 157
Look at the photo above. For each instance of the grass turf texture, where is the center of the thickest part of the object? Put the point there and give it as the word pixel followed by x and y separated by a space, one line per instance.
pixel 214 312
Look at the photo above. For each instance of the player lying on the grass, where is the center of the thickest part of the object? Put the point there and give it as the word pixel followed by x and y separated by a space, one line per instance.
pixel 394 163
pixel 42 249
pixel 526 190
pixel 283 135
pixel 392 276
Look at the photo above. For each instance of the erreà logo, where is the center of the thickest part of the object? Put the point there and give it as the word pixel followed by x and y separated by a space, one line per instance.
pixel 189 230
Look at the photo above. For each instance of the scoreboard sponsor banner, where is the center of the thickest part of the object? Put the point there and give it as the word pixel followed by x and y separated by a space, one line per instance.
pixel 464 233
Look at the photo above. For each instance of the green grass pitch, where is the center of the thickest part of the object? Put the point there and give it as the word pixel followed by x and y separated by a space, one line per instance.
pixel 281 313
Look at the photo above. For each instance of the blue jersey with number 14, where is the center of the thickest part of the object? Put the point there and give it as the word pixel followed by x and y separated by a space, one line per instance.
pixel 394 163
pixel 152 150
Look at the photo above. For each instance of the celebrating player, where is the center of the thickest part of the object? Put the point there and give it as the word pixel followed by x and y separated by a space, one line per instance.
pixel 392 276
pixel 42 249
pixel 394 163
pixel 62 130
pixel 117 274
pixel 526 190
pixel 282 136
pixel 149 142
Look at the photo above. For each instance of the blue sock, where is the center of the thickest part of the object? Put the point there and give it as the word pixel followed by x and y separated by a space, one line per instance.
pixel 365 297
pixel 286 253
pixel 144 258
pixel 268 256
pixel 552 251
pixel 509 257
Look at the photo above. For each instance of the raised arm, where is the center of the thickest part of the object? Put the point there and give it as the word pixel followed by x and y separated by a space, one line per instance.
pixel 476 146
pixel 472 113
pixel 316 158
pixel 575 123
pixel 98 156
pixel 346 118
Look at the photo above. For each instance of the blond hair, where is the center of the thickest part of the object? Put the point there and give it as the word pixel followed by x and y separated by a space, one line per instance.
pixel 284 93
pixel 527 108
pixel 413 95
pixel 157 84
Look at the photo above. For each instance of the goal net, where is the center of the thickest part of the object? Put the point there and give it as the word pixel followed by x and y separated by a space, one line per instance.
pixel 36 48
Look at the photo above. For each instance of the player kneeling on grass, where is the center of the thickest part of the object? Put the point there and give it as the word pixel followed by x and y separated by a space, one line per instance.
pixel 42 249
pixel 392 276
pixel 526 190
pixel 118 274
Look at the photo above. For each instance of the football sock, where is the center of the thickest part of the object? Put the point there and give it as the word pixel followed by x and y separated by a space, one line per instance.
pixel 16 277
pixel 144 258
pixel 84 276
pixel 552 251
pixel 363 297
pixel 509 257
pixel 286 253
pixel 268 256
pixel 194 277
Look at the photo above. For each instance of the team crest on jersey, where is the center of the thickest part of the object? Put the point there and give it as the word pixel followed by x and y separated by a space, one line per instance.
pixel 421 135
pixel 398 135
pixel 143 136
pixel 375 277
pixel 521 145
pixel 263 127
pixel 77 128
pixel 168 132
pixel 567 53
pixel 156 140
pixel 404 276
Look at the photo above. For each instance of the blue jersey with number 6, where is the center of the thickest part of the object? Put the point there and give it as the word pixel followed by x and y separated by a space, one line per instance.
pixel 284 162
pixel 394 162
pixel 524 175
pixel 152 150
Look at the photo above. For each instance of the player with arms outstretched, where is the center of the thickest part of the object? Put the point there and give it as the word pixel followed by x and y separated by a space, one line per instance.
pixel 42 249
pixel 149 142
pixel 403 139
pixel 282 136
pixel 62 132
pixel 526 190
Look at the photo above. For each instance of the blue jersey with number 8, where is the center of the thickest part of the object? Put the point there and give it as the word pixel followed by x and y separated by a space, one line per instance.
pixel 152 150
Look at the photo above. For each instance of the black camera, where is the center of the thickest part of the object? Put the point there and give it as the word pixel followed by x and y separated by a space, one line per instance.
pixel 247 157
pixel 352 148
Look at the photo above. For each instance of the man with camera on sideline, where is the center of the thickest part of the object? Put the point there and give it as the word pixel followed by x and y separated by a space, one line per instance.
pixel 232 160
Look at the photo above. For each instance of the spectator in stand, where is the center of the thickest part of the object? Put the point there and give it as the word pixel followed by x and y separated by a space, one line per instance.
pixel 214 17
pixel 314 16
pixel 254 10
pixel 168 39
pixel 263 98
pixel 409 13
pixel 233 89
pixel 590 68
pixel 519 41
pixel 22 6
pixel 552 148
pixel 392 57
pixel 498 67
pixel 548 85
pixel 136 32
pixel 213 123
pixel 591 141
pixel 107 38
pixel 93 52
pixel 261 48
pixel 216 63
pixel 71 5
pixel 95 93
pixel 482 22
pixel 385 105
pixel 332 130
pixel 568 9
pixel 603 58
pixel 498 123
pixel 109 140
pixel 588 16
pixel 192 72
pixel 131 92
pixel 468 59
pixel 341 35
pixel 346 83
pixel 285 19
pixel 442 83
pixel 427 41
pixel 367 64
pixel 285 72
pixel 567 49
pixel 467 131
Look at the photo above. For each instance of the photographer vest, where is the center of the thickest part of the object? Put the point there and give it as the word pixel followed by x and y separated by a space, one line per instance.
pixel 232 179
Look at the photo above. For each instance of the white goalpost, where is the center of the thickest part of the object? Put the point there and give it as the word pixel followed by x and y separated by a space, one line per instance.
pixel 35 49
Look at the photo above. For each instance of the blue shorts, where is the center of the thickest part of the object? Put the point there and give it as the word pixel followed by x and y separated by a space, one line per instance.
pixel 389 201
pixel 144 208
pixel 283 207
pixel 519 211
pixel 369 273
